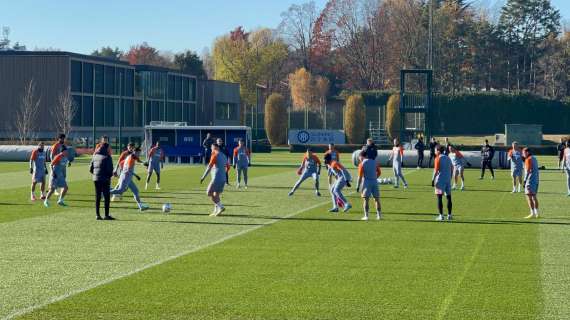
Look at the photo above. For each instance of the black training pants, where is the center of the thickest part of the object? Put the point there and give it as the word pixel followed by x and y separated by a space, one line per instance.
pixel 102 188
pixel 487 164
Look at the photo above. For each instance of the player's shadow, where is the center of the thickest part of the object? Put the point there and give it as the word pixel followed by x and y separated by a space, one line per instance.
pixel 195 222
pixel 490 222
pixel 16 204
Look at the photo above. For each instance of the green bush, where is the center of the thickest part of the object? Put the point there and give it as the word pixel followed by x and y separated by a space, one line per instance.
pixel 393 116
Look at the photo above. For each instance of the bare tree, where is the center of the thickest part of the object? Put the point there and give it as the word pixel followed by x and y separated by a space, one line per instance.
pixel 297 26
pixel 27 113
pixel 65 111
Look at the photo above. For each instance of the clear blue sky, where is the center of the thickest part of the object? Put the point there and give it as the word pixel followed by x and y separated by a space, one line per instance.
pixel 172 25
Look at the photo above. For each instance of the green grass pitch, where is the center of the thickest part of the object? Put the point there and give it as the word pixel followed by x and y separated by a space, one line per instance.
pixel 275 257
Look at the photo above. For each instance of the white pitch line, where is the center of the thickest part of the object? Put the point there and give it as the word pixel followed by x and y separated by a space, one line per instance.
pixel 154 264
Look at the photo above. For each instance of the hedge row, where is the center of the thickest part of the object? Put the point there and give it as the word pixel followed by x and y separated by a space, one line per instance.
pixel 484 113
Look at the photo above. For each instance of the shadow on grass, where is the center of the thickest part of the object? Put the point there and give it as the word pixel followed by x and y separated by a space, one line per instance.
pixel 195 222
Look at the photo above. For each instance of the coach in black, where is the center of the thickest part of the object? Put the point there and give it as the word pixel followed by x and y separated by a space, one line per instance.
pixel 420 147
pixel 432 145
pixel 487 154
pixel 102 170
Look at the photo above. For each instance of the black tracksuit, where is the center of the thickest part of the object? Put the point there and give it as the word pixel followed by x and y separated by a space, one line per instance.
pixel 102 170
pixel 487 154
pixel 420 146
pixel 431 152
pixel 207 144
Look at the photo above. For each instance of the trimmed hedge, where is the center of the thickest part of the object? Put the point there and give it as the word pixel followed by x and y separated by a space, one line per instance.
pixel 487 113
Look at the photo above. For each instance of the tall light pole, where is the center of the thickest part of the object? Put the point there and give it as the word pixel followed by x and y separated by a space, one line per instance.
pixel 430 36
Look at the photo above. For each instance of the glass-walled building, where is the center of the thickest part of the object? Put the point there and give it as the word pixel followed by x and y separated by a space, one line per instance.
pixel 110 96
pixel 167 95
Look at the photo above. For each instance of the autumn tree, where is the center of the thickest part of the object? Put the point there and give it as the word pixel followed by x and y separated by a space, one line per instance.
pixel 276 119
pixel 145 54
pixel 249 59
pixel 355 119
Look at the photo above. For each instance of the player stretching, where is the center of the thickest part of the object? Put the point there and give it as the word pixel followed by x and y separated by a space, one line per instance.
pixel 241 160
pixel 343 179
pixel 397 158
pixel 458 162
pixel 567 164
pixel 368 173
pixel 310 167
pixel 441 180
pixel 531 181
pixel 516 159
pixel 217 168
pixel 155 159
pixel 58 175
pixel 38 170
pixel 126 178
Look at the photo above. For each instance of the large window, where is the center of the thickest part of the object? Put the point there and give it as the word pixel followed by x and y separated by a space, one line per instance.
pixel 109 112
pixel 87 114
pixel 155 111
pixel 88 78
pixel 170 113
pixel 188 113
pixel 128 113
pixel 137 114
pixel 120 82
pixel 192 89
pixel 75 76
pixel 186 89
pixel 129 82
pixel 76 122
pixel 226 111
pixel 99 79
pixel 178 88
pixel 109 80
pixel 178 112
pixel 99 112
pixel 171 87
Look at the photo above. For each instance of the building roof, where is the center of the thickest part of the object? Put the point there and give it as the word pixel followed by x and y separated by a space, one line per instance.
pixel 62 54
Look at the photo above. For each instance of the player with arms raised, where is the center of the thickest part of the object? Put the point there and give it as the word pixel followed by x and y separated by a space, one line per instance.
pixel 516 159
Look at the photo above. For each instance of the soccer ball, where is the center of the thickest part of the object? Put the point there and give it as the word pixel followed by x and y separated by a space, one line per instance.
pixel 166 207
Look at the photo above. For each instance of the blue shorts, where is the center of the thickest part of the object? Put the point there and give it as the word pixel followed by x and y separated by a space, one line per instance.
pixel 38 176
pixel 154 166
pixel 531 188
pixel 216 185
pixel 58 182
pixel 443 188
pixel 370 189
pixel 516 172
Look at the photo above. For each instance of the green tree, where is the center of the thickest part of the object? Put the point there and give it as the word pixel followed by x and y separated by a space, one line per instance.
pixel 108 52
pixel 189 62
pixel 355 119
pixel 276 119
pixel 524 25
pixel 393 116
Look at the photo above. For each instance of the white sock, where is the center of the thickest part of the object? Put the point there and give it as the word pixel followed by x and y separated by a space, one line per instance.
pixel 462 184
pixel 535 211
